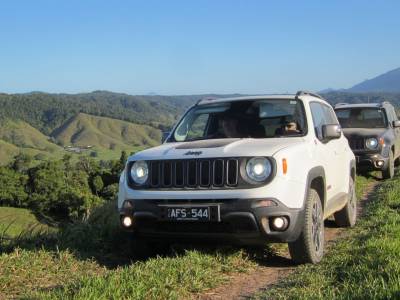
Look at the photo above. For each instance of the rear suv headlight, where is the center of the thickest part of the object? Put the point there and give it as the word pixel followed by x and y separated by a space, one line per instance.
pixel 371 143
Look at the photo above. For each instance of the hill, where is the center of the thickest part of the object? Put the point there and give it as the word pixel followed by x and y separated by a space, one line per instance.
pixel 101 132
pixel 23 135
pixel 46 112
pixel 18 136
pixel 388 82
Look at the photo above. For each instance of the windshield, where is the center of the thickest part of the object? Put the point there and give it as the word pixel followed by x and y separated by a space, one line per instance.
pixel 361 118
pixel 242 119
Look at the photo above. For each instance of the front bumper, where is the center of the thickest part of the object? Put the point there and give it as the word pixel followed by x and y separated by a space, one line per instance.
pixel 371 161
pixel 242 221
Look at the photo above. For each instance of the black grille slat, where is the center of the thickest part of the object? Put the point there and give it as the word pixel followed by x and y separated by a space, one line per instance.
pixel 194 173
pixel 155 174
pixel 218 172
pixel 232 172
pixel 167 173
pixel 205 173
pixel 357 143
pixel 179 173
pixel 191 169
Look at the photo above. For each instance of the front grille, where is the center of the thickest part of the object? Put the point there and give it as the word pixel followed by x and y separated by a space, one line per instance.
pixel 357 143
pixel 194 173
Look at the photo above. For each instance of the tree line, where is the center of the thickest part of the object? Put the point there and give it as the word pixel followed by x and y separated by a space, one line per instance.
pixel 61 189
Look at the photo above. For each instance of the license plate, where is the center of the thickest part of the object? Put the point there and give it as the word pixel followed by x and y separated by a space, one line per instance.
pixel 191 213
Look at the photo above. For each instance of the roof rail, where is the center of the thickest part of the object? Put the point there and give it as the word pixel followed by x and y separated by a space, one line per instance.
pixel 340 104
pixel 300 93
pixel 206 99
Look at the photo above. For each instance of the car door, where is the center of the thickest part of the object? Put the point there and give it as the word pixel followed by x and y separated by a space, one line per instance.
pixel 324 152
pixel 340 148
pixel 396 131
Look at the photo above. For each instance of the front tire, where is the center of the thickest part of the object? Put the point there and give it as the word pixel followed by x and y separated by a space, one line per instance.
pixel 347 216
pixel 309 247
pixel 388 173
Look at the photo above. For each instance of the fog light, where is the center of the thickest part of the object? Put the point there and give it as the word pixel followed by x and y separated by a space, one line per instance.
pixel 127 221
pixel 280 223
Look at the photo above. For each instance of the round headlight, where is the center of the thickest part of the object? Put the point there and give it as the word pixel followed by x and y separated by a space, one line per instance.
pixel 140 172
pixel 258 168
pixel 371 143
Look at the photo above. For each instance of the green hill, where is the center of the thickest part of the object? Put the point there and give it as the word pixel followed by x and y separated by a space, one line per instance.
pixel 23 135
pixel 18 136
pixel 105 133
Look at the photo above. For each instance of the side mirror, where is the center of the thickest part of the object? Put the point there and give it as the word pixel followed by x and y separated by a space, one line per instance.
pixel 165 135
pixel 331 131
pixel 396 123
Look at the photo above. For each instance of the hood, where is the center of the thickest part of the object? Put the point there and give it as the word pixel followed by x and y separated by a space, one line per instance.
pixel 363 132
pixel 218 148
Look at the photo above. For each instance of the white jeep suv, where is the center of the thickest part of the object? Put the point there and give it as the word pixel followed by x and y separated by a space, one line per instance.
pixel 246 170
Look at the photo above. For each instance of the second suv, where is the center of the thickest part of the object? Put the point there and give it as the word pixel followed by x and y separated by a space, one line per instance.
pixel 244 170
pixel 373 131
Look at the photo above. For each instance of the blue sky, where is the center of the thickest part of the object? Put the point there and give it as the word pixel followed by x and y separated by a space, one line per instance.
pixel 192 47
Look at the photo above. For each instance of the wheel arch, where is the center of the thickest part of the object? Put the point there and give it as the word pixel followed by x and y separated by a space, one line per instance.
pixel 316 180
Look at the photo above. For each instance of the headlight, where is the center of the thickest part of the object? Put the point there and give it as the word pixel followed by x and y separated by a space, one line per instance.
pixel 258 168
pixel 140 172
pixel 371 143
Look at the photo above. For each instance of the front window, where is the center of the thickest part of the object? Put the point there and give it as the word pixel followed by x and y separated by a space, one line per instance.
pixel 361 117
pixel 243 119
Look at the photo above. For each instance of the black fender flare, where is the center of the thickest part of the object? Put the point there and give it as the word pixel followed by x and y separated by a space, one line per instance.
pixel 313 173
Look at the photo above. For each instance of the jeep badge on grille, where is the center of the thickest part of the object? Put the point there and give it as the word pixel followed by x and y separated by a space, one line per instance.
pixel 196 153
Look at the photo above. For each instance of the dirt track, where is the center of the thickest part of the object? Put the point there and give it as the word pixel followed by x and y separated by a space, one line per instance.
pixel 270 271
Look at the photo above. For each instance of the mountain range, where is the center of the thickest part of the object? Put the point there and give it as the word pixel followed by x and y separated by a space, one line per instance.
pixel 388 82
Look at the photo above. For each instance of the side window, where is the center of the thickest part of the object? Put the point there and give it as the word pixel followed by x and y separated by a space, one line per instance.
pixel 389 114
pixel 330 115
pixel 318 118
pixel 322 115
pixel 395 114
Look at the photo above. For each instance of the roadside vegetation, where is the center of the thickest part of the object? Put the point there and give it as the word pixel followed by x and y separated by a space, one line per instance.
pixel 363 265
pixel 90 258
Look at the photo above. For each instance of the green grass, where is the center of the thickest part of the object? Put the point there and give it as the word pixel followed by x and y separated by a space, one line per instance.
pixel 75 263
pixel 363 265
pixel 79 262
pixel 15 222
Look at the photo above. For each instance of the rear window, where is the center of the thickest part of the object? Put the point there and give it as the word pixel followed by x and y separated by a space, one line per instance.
pixel 361 117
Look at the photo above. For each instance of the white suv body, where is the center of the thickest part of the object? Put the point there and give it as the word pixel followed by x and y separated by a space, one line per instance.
pixel 312 163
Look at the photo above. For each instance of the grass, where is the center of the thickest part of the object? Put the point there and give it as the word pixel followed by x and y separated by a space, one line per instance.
pixel 90 261
pixel 363 265
pixel 87 261
pixel 15 222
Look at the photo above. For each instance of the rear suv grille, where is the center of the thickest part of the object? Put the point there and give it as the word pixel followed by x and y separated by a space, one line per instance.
pixel 357 143
pixel 194 173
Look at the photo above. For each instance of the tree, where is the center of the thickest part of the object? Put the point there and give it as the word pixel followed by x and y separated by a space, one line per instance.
pixel 21 162
pixel 12 188
pixel 97 184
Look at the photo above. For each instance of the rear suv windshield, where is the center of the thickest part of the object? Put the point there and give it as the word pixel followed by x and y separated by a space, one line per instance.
pixel 361 117
pixel 243 119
